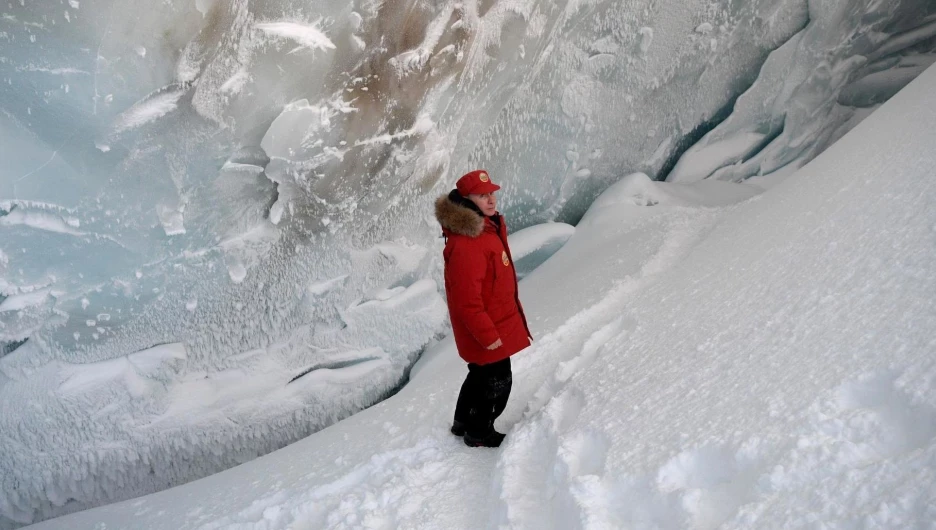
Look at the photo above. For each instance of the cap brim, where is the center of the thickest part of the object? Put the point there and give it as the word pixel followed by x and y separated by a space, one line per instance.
pixel 485 187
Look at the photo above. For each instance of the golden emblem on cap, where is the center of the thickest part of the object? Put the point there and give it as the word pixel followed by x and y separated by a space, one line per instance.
pixel 505 259
pixel 483 176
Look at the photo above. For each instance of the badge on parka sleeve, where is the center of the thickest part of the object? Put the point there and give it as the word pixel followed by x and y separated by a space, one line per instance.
pixel 504 258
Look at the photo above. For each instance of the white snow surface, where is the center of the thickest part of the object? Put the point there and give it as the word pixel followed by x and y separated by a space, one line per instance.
pixel 766 364
pixel 306 35
pixel 531 239
pixel 535 244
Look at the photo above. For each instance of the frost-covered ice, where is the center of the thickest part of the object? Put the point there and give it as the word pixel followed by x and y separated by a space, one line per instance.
pixel 38 216
pixel 803 101
pixel 305 35
pixel 148 110
pixel 253 180
pixel 166 422
pixel 698 364
pixel 20 302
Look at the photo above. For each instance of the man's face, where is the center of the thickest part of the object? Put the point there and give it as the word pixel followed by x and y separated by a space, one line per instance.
pixel 486 202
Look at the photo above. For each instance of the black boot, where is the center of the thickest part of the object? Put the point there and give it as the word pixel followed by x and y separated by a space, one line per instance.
pixel 491 439
pixel 458 428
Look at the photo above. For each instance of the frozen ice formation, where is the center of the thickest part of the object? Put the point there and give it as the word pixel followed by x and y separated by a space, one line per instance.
pixel 809 92
pixel 253 180
pixel 533 245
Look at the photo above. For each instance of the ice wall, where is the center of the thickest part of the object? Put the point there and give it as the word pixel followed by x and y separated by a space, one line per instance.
pixel 251 183
pixel 816 87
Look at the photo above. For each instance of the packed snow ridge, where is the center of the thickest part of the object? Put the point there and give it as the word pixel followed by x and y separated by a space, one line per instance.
pixel 249 184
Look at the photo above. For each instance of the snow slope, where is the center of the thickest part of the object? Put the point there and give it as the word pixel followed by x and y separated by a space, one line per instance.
pixel 768 364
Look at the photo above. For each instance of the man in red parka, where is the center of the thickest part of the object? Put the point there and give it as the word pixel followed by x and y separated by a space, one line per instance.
pixel 487 318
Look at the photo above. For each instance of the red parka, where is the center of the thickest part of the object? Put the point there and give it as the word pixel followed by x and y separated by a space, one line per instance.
pixel 480 285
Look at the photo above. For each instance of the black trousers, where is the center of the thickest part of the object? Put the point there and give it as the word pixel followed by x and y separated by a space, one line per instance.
pixel 483 396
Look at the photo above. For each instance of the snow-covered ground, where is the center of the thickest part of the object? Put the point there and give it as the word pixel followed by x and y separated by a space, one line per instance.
pixel 705 356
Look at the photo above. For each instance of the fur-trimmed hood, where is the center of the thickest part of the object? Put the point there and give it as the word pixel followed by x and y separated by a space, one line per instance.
pixel 458 218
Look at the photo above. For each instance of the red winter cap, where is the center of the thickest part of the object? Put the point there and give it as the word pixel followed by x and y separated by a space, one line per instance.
pixel 477 181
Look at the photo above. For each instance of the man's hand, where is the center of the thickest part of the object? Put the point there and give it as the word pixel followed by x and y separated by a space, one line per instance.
pixel 496 345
